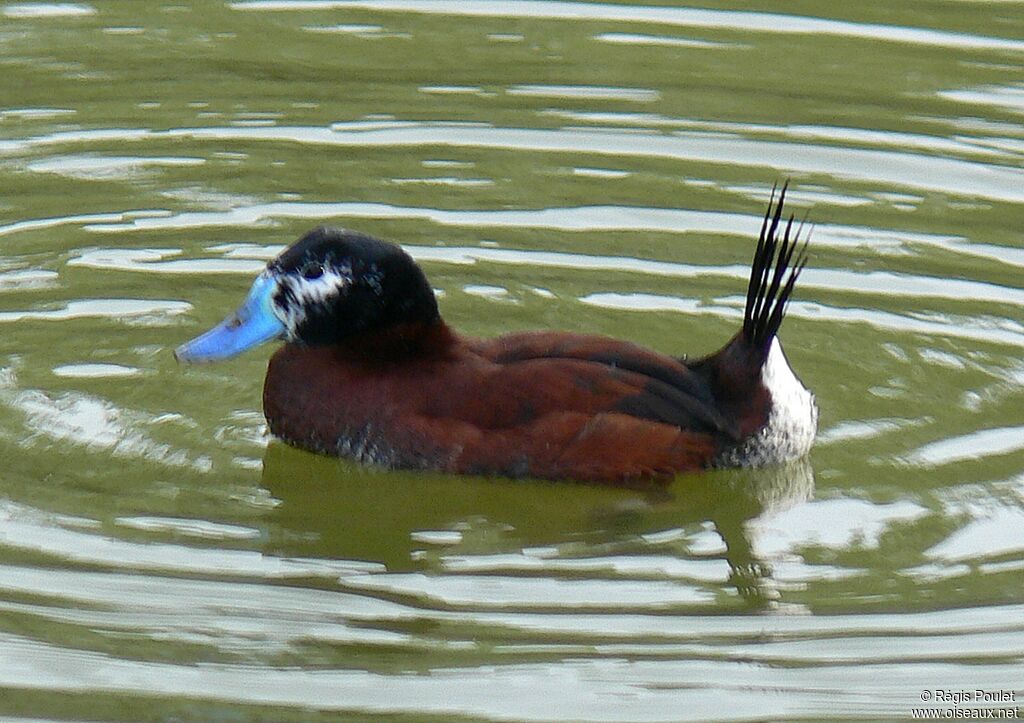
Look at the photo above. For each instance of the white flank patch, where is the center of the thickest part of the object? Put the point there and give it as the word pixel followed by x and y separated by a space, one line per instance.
pixel 792 421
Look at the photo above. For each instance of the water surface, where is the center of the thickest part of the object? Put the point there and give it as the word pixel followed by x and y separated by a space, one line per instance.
pixel 593 166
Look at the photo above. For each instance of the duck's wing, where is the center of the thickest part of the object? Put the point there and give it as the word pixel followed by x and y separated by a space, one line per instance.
pixel 549 372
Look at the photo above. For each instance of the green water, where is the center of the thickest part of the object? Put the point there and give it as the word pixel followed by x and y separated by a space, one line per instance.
pixel 597 167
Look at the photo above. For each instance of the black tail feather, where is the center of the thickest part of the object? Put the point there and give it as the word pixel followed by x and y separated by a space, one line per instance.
pixel 767 294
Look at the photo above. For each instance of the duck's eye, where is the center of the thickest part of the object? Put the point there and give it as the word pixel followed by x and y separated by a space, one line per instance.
pixel 312 271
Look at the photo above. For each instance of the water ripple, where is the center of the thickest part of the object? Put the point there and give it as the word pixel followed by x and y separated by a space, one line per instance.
pixel 953 176
pixel 685 17
pixel 999 331
pixel 609 688
pixel 579 218
pixel 246 258
pixel 30 530
pixel 884 167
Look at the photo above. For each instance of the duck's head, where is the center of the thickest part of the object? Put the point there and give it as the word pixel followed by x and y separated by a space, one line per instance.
pixel 327 287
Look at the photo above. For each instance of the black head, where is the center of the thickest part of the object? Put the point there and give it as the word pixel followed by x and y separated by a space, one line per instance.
pixel 333 284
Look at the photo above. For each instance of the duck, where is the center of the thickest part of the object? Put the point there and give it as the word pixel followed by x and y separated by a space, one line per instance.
pixel 369 370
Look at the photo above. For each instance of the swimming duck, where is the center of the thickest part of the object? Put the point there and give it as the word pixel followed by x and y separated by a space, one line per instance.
pixel 369 370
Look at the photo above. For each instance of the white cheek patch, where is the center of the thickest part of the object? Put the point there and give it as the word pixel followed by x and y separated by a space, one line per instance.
pixel 302 295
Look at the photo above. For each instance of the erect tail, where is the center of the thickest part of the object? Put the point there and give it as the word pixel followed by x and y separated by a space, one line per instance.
pixel 769 288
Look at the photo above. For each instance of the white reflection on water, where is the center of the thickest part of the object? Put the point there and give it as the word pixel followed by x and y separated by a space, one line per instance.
pixel 95 423
pixel 994 530
pixel 202 529
pixel 670 40
pixel 46 10
pixel 860 429
pixel 155 260
pixel 139 311
pixel 23 279
pixel 87 167
pixel 589 92
pixel 600 173
pixel 35 113
pixel 975 445
pixel 94 371
pixel 124 30
pixel 711 570
pixel 483 592
pixel 1001 96
pixel 349 29
pixel 835 523
pixel 43 223
pixel 444 181
pixel 485 291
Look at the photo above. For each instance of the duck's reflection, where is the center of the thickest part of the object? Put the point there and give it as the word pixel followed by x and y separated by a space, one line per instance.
pixel 332 508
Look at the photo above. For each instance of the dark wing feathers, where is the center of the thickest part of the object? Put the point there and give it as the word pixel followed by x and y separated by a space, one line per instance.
pixel 620 377
pixel 601 350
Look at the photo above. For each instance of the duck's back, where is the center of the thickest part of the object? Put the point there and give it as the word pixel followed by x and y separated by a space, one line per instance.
pixel 546 404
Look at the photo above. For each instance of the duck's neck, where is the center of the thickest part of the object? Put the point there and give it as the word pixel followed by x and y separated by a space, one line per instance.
pixel 400 342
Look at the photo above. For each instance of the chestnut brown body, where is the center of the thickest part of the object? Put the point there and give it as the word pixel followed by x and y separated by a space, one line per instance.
pixel 545 404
